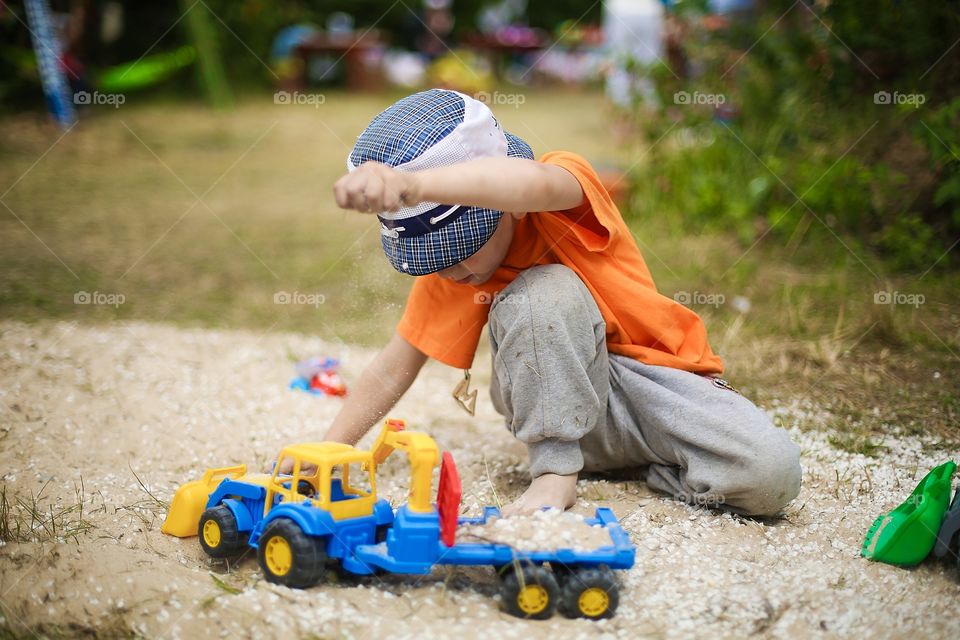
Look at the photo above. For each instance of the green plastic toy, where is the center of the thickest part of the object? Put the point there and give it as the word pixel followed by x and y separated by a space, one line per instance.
pixel 146 71
pixel 906 535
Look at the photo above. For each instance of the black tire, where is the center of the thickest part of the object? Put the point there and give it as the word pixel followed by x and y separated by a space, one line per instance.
pixel 589 592
pixel 290 557
pixel 562 572
pixel 219 535
pixel 529 592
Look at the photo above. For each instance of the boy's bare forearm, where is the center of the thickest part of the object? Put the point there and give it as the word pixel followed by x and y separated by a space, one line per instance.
pixel 379 388
pixel 506 184
pixel 515 185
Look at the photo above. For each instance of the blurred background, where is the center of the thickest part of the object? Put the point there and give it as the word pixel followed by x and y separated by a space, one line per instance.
pixel 791 170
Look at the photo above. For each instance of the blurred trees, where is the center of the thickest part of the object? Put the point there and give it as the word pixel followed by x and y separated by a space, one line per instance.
pixel 248 28
pixel 808 120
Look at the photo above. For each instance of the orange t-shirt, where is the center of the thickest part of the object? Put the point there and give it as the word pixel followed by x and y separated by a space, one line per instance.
pixel 443 319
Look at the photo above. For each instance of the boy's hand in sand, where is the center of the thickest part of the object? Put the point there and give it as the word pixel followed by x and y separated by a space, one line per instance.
pixel 548 490
pixel 373 188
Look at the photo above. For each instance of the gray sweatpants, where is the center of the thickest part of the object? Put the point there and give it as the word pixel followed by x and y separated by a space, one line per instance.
pixel 576 407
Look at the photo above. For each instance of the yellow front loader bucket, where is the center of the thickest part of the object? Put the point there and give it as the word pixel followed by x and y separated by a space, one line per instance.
pixel 189 501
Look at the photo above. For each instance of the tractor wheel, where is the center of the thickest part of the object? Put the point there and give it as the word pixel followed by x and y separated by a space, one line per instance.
pixel 290 557
pixel 529 592
pixel 219 535
pixel 590 593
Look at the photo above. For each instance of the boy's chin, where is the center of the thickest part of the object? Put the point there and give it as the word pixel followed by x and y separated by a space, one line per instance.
pixel 473 280
pixel 478 279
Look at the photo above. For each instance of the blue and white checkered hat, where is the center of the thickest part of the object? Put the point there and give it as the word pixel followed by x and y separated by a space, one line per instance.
pixel 430 129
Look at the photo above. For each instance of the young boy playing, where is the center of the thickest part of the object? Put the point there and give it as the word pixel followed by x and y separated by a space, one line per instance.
pixel 592 368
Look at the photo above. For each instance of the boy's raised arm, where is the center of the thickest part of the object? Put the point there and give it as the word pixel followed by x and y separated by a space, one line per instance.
pixel 380 386
pixel 505 184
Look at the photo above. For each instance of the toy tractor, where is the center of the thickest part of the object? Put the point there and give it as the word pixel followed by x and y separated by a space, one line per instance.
pixel 326 511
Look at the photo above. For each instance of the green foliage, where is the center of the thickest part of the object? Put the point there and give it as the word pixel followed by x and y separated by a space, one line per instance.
pixel 940 134
pixel 775 126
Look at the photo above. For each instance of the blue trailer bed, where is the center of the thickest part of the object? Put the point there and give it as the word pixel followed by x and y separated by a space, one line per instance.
pixel 620 554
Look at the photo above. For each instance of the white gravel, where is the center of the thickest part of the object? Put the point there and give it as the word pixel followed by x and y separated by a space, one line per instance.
pixel 94 404
pixel 542 531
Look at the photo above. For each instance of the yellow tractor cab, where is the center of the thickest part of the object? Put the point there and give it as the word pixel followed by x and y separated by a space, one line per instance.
pixel 332 476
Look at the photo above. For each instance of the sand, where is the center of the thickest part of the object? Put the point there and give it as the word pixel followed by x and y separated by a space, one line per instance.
pixel 86 408
pixel 542 531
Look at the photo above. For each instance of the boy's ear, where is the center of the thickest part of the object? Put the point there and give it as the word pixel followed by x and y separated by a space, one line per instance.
pixel 518 215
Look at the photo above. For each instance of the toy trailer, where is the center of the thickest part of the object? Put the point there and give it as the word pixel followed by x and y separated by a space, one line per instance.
pixel 533 583
pixel 326 512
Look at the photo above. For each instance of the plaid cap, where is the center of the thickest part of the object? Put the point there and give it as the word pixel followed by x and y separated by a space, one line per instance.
pixel 430 129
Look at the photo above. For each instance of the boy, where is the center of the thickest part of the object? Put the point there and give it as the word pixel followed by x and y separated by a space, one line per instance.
pixel 592 368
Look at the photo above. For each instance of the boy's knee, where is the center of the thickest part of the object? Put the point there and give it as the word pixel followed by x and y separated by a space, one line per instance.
pixel 545 279
pixel 550 290
pixel 767 482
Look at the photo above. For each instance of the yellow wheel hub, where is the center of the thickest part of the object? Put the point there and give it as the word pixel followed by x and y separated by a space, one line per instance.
pixel 211 533
pixel 593 602
pixel 533 599
pixel 278 556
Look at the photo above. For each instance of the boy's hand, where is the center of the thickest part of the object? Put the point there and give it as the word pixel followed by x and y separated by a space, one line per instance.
pixel 373 187
pixel 286 468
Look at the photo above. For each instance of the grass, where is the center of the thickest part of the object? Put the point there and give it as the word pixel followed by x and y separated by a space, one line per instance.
pixel 113 627
pixel 37 519
pixel 112 207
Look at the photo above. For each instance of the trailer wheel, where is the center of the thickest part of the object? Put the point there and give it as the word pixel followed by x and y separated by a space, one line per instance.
pixel 219 535
pixel 290 557
pixel 530 592
pixel 590 593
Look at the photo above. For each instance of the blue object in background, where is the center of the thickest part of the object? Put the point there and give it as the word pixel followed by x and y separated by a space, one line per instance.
pixel 289 38
pixel 46 45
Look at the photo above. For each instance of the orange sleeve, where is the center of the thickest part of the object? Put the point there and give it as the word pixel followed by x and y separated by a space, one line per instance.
pixel 594 223
pixel 444 320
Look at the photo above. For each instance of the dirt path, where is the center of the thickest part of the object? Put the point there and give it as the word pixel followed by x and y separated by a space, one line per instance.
pixel 89 406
